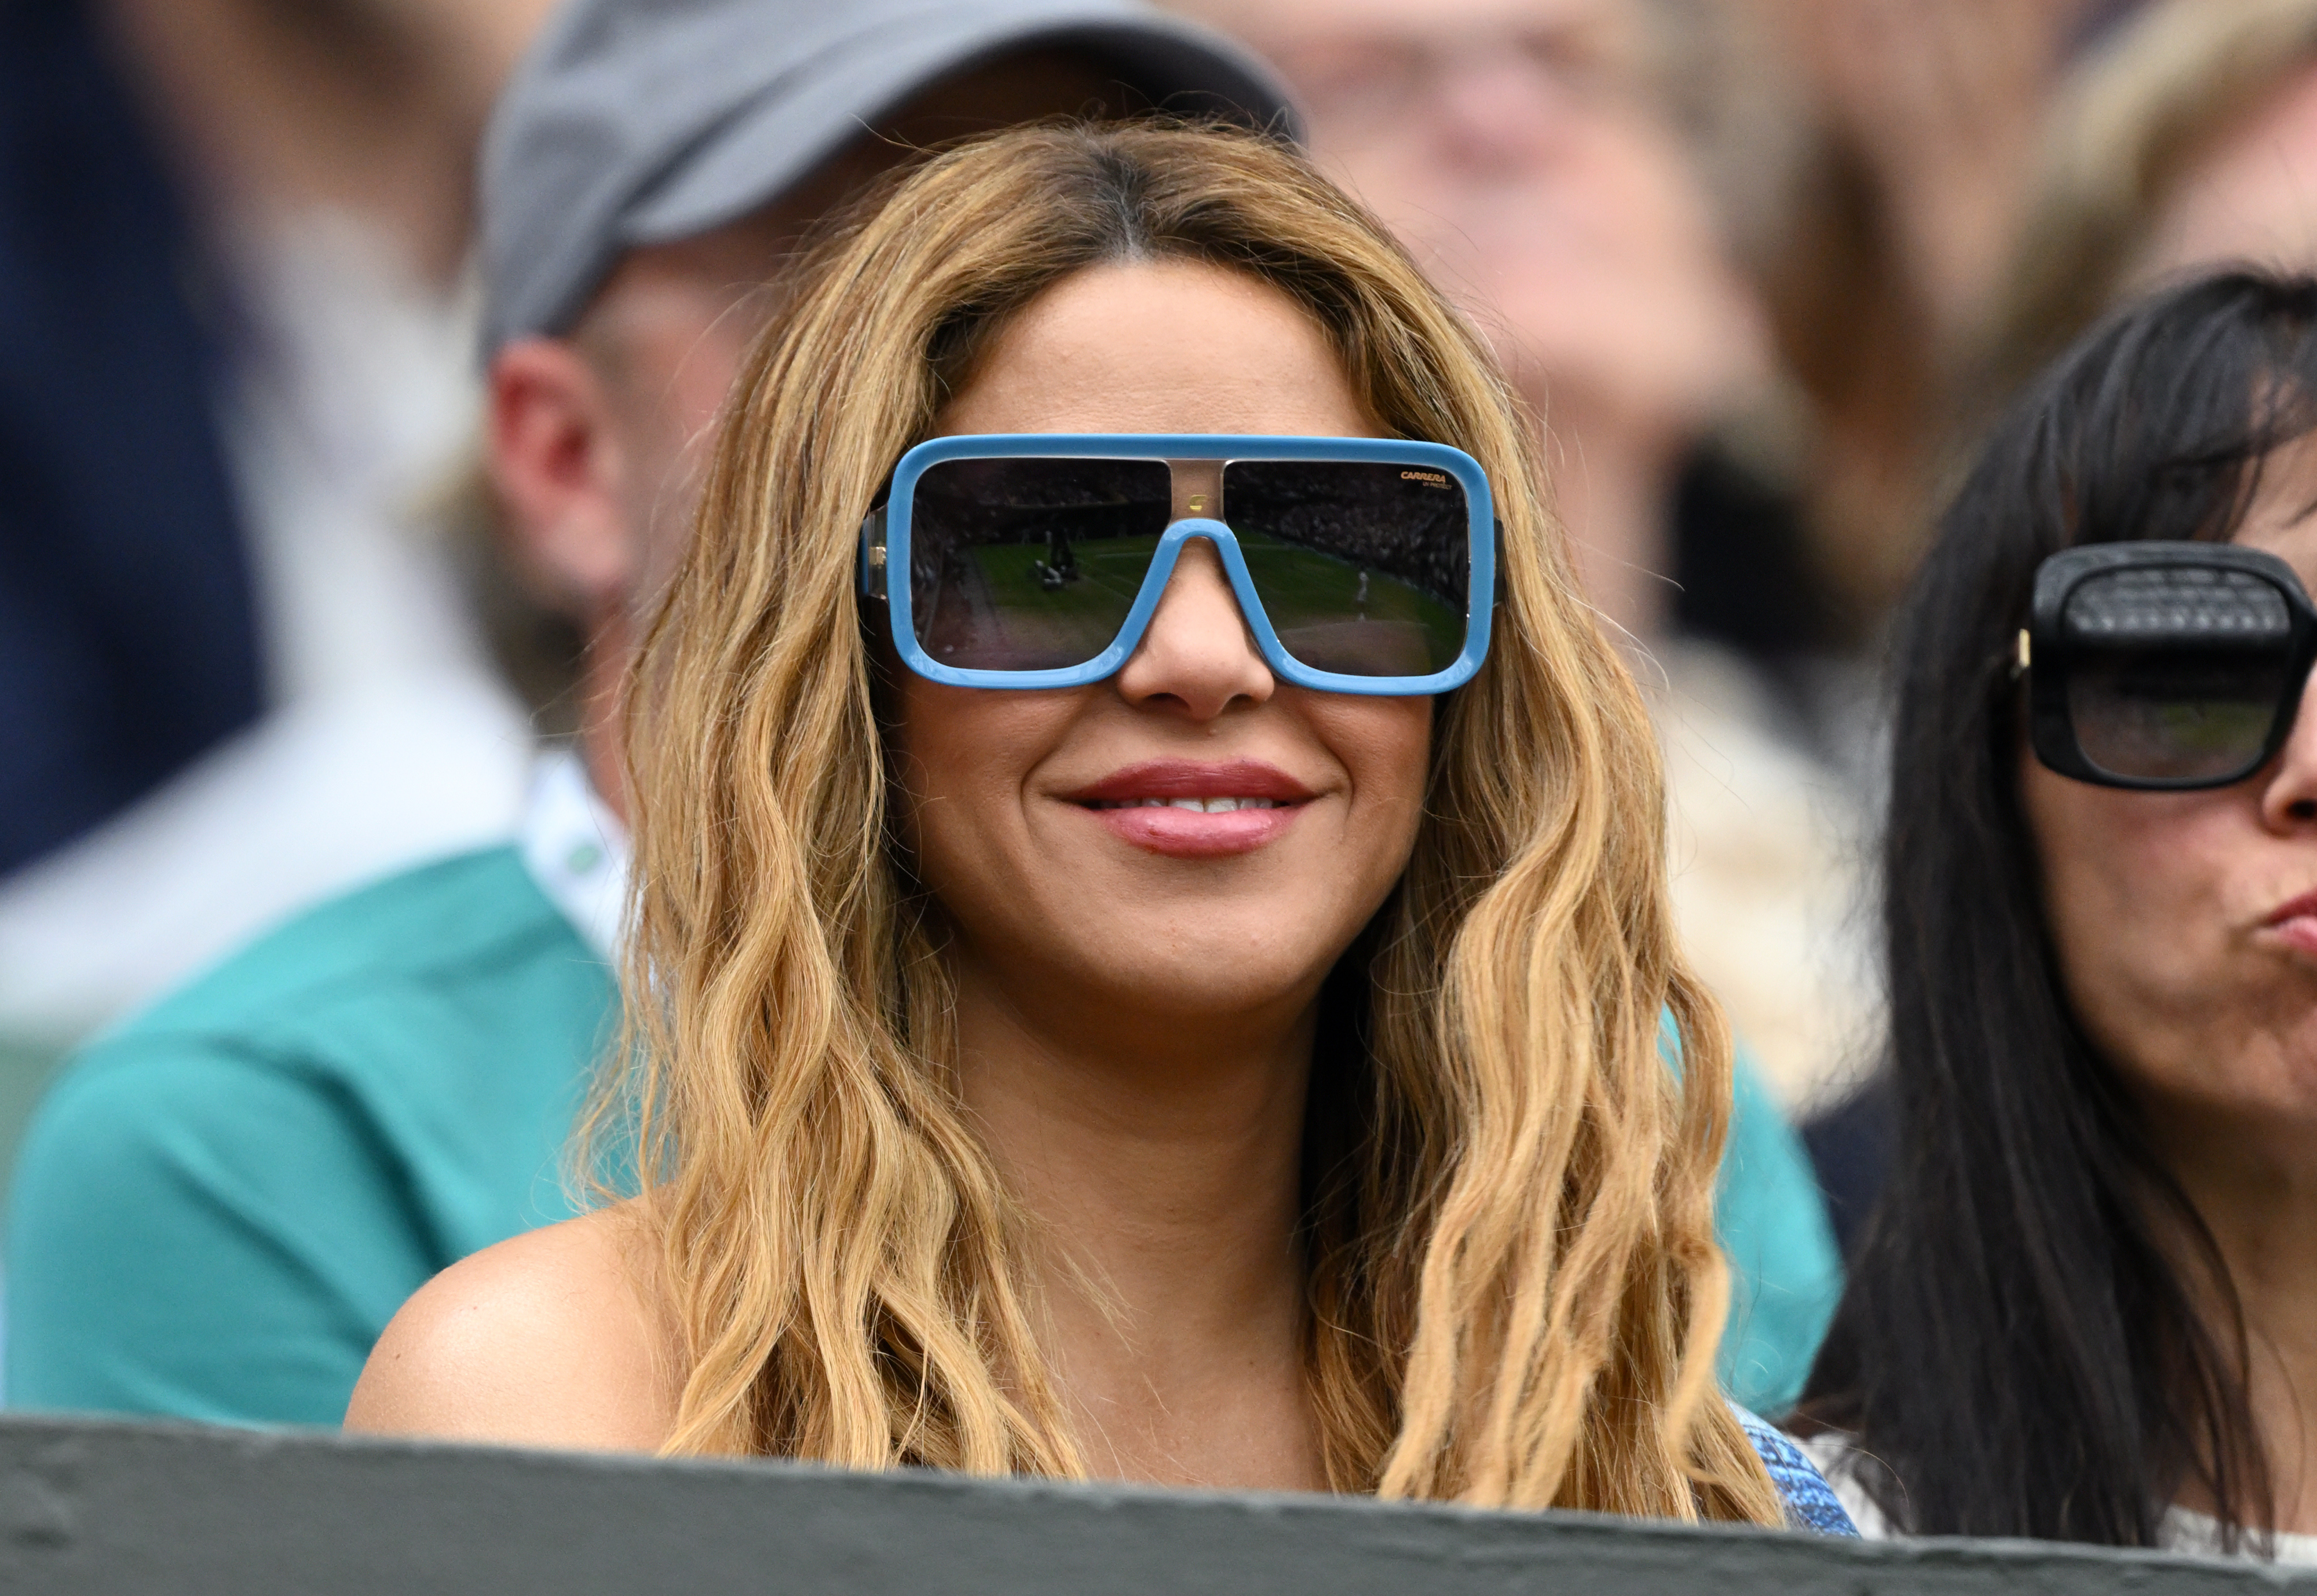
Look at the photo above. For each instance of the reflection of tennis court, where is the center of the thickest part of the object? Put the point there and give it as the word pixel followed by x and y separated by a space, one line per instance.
pixel 1003 606
pixel 1319 606
pixel 2153 731
pixel 1109 573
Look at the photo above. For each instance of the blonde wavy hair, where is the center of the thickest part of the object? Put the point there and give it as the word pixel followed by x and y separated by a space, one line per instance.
pixel 1515 1294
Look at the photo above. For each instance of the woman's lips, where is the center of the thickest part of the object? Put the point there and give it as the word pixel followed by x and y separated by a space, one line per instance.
pixel 2294 924
pixel 1192 810
pixel 1187 834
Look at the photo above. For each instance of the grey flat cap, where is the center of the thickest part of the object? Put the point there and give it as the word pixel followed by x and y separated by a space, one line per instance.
pixel 642 121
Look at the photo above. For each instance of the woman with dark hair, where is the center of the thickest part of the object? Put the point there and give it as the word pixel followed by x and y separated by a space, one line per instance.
pixel 2087 1307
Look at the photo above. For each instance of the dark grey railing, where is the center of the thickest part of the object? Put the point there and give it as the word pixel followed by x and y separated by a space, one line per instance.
pixel 97 1508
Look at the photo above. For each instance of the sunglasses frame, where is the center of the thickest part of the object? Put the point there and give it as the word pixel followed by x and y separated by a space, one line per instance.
pixel 2046 656
pixel 885 549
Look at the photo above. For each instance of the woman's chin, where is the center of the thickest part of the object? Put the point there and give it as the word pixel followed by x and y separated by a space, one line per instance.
pixel 1203 960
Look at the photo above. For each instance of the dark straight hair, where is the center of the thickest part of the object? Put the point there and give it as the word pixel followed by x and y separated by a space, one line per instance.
pixel 2039 1337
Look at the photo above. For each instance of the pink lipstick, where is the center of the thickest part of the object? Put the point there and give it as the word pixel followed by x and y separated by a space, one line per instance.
pixel 2295 924
pixel 1189 809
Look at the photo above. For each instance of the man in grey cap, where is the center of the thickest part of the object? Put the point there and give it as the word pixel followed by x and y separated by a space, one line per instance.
pixel 221 1204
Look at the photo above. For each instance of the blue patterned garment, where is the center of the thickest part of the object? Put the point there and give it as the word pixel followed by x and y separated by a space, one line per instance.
pixel 1811 1501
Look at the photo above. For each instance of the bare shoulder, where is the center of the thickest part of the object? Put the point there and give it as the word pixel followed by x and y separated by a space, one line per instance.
pixel 556 1338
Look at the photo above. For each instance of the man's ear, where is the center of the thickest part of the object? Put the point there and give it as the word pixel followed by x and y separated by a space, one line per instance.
pixel 556 459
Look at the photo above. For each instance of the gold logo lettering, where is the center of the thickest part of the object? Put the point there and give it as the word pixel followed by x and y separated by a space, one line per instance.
pixel 1432 477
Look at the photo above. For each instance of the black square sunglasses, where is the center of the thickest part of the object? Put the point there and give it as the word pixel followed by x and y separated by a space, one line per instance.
pixel 2164 666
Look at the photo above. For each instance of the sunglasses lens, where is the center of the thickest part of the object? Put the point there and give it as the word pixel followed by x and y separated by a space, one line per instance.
pixel 1030 565
pixel 1362 568
pixel 2177 673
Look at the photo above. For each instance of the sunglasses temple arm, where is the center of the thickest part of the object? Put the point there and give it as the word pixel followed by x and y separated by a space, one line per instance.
pixel 872 554
pixel 1498 597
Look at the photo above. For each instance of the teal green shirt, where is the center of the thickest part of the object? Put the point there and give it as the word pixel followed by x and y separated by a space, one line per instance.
pixel 1785 1273
pixel 221 1204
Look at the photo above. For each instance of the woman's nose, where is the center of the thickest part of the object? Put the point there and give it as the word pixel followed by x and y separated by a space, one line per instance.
pixel 2288 802
pixel 1197 654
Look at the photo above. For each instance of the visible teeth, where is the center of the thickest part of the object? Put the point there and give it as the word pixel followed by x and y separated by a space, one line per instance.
pixel 1213 805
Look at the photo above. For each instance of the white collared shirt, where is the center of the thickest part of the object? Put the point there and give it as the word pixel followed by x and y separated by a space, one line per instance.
pixel 576 849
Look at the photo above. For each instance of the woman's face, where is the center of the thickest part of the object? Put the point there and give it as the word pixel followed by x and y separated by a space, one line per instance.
pixel 2246 197
pixel 1028 811
pixel 2185 923
pixel 1523 151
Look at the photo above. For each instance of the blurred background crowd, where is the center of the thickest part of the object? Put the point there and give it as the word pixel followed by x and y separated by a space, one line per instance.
pixel 1763 266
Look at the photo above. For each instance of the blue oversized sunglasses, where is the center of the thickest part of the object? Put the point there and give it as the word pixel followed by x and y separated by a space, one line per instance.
pixel 1362 565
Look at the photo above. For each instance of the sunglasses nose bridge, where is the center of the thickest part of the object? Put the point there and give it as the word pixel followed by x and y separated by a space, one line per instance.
pixel 1231 566
pixel 1181 618
pixel 1197 488
pixel 1185 530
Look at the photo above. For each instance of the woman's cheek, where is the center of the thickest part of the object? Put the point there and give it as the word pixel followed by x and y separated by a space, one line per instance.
pixel 1385 743
pixel 2136 887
